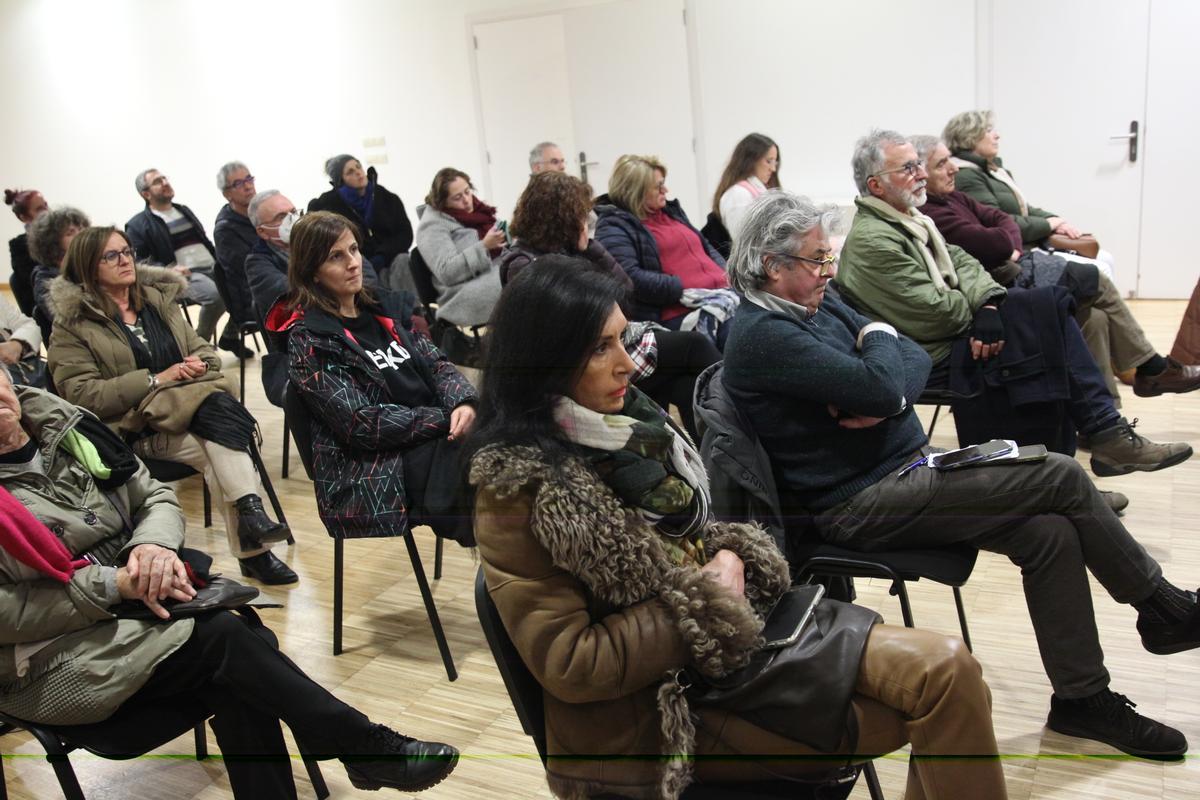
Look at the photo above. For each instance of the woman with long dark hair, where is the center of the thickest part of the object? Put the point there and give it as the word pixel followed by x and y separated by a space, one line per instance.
pixel 389 410
pixel 122 349
pixel 610 575
pixel 752 169
pixel 551 219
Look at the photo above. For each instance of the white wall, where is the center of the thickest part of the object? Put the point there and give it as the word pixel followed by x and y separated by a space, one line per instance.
pixel 816 76
pixel 96 91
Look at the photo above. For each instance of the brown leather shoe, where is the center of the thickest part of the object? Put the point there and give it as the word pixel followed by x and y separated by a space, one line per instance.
pixel 1176 379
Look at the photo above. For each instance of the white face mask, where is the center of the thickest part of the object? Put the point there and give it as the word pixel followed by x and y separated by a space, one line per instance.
pixel 285 227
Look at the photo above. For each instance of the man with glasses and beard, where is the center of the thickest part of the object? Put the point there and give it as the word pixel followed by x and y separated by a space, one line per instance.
pixel 1018 354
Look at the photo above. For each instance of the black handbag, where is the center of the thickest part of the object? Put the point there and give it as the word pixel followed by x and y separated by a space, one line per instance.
pixel 799 689
pixel 218 593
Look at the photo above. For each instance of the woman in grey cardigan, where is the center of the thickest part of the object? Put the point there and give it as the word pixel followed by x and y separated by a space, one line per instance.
pixel 458 238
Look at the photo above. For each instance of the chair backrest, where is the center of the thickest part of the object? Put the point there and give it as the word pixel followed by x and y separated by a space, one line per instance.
pixel 299 421
pixel 523 689
pixel 422 278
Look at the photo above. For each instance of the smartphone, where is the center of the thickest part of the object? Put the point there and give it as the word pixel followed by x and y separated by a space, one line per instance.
pixel 791 614
pixel 970 455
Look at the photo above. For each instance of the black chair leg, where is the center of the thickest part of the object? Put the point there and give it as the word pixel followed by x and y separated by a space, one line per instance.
pixel 286 445
pixel 933 423
pixel 66 776
pixel 201 742
pixel 337 596
pixel 313 768
pixel 962 619
pixel 434 621
pixel 3 782
pixel 899 589
pixel 437 559
pixel 242 374
pixel 256 457
pixel 873 787
pixel 207 504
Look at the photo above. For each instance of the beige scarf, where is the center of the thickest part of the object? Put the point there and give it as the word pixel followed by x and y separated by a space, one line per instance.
pixel 921 227
pixel 1001 174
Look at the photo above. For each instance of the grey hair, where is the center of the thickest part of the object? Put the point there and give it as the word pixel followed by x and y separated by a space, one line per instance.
pixel 868 156
pixel 964 130
pixel 773 223
pixel 925 145
pixel 140 180
pixel 46 232
pixel 259 199
pixel 539 149
pixel 224 172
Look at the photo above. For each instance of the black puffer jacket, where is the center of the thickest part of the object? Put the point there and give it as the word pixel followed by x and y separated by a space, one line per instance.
pixel 387 233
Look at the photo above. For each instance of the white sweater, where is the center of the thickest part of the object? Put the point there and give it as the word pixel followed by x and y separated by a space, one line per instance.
pixel 735 201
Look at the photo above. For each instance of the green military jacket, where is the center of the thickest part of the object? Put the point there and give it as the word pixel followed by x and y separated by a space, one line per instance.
pixel 883 275
pixel 87 662
pixel 978 182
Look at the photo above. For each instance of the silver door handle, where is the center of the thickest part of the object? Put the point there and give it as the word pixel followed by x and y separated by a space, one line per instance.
pixel 1132 136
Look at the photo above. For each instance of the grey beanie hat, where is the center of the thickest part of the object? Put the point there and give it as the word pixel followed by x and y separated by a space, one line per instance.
pixel 334 167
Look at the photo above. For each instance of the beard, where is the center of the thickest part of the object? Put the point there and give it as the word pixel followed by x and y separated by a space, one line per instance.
pixel 914 198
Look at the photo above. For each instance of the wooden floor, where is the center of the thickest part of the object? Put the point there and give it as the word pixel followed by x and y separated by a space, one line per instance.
pixel 391 669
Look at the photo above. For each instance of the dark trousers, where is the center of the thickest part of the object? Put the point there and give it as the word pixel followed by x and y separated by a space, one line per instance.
pixel 239 676
pixel 682 355
pixel 1090 405
pixel 1049 520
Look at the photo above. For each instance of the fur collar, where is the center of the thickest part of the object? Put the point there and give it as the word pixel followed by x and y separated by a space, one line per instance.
pixel 69 303
pixel 618 557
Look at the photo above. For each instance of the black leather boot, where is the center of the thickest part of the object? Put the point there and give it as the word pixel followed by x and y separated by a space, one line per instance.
pixel 390 760
pixel 266 568
pixel 255 528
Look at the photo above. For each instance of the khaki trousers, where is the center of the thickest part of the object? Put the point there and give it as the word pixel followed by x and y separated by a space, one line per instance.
pixel 1113 336
pixel 229 474
pixel 913 686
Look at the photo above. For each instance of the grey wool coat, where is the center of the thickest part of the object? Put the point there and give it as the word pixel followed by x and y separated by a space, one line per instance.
pixel 467 282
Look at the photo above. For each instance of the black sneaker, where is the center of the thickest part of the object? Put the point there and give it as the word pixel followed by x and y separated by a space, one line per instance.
pixel 1109 717
pixel 1165 638
pixel 389 760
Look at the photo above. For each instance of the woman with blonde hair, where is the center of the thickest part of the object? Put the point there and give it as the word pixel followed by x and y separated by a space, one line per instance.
pixel 678 278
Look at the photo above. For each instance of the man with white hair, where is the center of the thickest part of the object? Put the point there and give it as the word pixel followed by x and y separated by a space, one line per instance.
pixel 234 236
pixel 546 157
pixel 830 395
pixel 898 268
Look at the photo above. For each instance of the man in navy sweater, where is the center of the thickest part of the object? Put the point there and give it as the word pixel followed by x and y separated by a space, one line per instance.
pixel 829 394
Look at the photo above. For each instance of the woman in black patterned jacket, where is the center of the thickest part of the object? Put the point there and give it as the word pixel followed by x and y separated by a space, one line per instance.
pixel 389 410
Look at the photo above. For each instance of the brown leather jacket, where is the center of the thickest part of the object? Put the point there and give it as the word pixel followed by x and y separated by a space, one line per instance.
pixel 603 619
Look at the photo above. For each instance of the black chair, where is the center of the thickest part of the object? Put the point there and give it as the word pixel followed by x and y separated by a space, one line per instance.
pixel 301 428
pixel 938 398
pixel 171 471
pixel 422 278
pixel 246 329
pixel 125 735
pixel 526 695
pixel 749 491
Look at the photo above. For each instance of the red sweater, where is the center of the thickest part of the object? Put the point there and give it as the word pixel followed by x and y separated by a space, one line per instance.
pixel 682 254
pixel 987 233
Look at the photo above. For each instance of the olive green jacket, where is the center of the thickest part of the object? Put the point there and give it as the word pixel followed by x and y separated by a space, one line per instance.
pixel 883 275
pixel 90 357
pixel 93 662
pixel 978 182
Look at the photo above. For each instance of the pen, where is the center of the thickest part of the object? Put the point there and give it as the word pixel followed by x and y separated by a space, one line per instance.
pixel 912 466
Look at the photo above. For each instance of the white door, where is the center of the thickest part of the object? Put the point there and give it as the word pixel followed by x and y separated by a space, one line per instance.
pixel 1170 263
pixel 604 79
pixel 1066 76
pixel 632 93
pixel 525 99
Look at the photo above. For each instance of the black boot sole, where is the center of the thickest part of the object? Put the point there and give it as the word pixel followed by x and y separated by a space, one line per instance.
pixel 248 573
pixel 361 782
pixel 250 542
pixel 1080 733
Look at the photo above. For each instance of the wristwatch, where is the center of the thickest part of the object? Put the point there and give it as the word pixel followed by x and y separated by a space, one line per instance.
pixel 153 381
